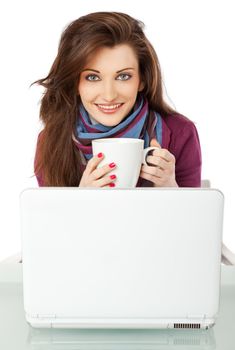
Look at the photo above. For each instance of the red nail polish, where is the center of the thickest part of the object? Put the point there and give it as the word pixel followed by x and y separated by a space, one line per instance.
pixel 112 165
pixel 100 155
pixel 111 184
pixel 113 177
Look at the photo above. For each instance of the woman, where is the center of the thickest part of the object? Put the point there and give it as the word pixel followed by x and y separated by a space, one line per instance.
pixel 106 82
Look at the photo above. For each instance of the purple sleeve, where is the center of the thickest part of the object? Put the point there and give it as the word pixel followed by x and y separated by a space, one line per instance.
pixel 186 148
pixel 39 180
pixel 39 176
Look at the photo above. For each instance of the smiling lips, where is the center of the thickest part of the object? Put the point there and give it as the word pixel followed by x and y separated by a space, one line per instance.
pixel 109 108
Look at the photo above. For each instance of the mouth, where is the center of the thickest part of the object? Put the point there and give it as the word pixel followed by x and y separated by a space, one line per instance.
pixel 111 108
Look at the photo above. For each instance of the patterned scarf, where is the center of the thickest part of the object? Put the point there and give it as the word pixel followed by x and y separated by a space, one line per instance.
pixel 141 123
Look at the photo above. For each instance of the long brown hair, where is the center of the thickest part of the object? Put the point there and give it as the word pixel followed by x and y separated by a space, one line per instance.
pixel 57 159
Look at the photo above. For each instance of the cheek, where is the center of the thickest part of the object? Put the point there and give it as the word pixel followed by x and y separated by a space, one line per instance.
pixel 85 91
pixel 80 89
pixel 130 89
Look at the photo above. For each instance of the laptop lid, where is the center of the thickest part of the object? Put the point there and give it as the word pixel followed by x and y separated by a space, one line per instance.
pixel 143 257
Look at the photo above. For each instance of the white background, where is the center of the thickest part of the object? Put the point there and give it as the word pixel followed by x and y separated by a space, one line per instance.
pixel 194 41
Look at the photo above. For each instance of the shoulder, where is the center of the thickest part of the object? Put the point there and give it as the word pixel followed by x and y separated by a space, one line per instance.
pixel 177 129
pixel 178 123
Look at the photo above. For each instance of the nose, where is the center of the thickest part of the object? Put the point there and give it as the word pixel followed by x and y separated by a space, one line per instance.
pixel 109 92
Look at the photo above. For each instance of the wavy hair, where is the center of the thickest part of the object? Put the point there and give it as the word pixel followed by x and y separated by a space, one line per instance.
pixel 57 159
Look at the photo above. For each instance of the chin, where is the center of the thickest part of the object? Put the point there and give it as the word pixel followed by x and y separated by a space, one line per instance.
pixel 110 123
pixel 110 120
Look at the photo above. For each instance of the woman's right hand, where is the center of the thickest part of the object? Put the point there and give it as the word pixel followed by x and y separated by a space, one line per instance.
pixel 97 177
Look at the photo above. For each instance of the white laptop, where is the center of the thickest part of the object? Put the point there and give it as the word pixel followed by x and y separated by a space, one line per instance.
pixel 121 258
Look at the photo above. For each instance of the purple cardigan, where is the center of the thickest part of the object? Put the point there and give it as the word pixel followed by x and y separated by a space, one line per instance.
pixel 180 137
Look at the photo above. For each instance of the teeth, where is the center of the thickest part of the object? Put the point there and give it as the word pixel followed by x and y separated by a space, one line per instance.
pixel 109 107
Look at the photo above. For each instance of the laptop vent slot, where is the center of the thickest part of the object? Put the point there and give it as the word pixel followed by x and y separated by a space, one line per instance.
pixel 187 325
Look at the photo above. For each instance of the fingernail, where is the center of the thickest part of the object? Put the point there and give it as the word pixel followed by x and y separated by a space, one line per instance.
pixel 111 184
pixel 112 177
pixel 112 165
pixel 100 155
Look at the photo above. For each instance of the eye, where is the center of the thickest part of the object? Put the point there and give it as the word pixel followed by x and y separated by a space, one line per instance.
pixel 124 76
pixel 92 77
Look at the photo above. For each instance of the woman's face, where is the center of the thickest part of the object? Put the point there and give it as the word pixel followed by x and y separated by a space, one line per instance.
pixel 109 84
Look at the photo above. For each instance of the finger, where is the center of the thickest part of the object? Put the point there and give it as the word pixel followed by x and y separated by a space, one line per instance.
pixel 152 170
pixel 93 163
pixel 164 154
pixel 106 181
pixel 100 172
pixel 158 161
pixel 156 180
pixel 154 143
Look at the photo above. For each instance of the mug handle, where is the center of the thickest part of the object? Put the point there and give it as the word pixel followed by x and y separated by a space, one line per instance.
pixel 145 152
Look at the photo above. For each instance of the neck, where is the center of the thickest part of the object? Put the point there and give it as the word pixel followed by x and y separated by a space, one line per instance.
pixel 93 121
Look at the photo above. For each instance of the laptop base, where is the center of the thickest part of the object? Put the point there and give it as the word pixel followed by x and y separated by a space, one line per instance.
pixel 187 323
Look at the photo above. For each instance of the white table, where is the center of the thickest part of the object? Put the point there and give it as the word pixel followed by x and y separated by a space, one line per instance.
pixel 16 334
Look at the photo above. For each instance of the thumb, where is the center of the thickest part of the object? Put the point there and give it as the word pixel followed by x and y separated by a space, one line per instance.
pixel 154 143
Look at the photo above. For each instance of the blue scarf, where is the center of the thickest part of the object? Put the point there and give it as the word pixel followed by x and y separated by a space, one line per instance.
pixel 141 123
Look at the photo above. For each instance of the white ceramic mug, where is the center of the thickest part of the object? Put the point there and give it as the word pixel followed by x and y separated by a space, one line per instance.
pixel 128 154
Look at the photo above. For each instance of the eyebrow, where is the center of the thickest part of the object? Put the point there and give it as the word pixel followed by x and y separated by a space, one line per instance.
pixel 94 70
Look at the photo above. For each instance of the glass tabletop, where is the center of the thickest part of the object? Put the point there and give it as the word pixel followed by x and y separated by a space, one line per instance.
pixel 15 333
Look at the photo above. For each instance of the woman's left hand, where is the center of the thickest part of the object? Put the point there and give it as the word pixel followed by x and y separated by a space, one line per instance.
pixel 162 169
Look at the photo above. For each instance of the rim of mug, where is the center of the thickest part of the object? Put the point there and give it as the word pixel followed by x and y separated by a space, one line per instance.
pixel 119 139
